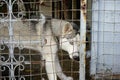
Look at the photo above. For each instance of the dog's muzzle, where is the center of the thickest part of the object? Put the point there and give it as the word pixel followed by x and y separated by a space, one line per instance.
pixel 76 57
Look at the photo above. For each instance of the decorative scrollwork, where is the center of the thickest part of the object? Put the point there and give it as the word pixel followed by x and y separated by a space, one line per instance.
pixel 6 64
pixel 2 47
pixel 15 4
pixel 4 67
pixel 2 58
pixel 4 4
pixel 11 62
pixel 22 78
pixel 21 67
pixel 21 58
pixel 20 46
pixel 21 8
pixel 1 3
pixel 20 15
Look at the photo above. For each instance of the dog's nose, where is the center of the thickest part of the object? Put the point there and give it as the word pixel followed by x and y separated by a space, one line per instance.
pixel 76 58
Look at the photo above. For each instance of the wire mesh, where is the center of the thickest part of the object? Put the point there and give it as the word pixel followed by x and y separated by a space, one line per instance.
pixel 105 40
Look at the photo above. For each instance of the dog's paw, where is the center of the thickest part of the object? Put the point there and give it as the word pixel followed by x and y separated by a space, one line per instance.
pixel 69 78
pixel 42 79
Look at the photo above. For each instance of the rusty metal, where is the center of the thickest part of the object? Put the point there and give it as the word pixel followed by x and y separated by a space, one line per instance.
pixel 83 8
pixel 83 39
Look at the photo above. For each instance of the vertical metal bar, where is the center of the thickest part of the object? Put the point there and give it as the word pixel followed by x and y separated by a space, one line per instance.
pixel 74 6
pixel 83 39
pixel 11 45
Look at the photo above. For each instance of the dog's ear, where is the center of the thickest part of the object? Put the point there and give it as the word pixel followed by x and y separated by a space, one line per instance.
pixel 75 26
pixel 67 28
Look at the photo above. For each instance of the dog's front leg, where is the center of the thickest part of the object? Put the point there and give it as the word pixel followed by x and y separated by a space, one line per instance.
pixel 49 56
pixel 59 71
pixel 50 67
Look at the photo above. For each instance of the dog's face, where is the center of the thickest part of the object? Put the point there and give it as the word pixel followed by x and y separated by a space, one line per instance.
pixel 75 43
pixel 71 45
pixel 68 37
pixel 71 40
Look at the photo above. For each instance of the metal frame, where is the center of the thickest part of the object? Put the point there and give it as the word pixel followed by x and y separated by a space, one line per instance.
pixel 83 39
pixel 11 63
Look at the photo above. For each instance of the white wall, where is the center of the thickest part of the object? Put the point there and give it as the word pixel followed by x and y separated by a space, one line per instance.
pixel 105 37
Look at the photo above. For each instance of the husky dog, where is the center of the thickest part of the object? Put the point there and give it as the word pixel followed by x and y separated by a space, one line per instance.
pixel 51 34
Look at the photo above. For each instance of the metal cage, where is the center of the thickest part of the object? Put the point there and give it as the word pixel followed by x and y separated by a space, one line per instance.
pixel 18 63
